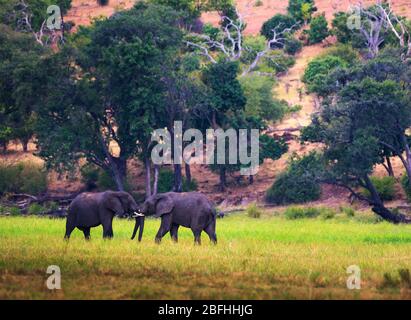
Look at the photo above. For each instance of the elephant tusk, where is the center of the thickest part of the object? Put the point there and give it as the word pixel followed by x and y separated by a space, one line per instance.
pixel 138 214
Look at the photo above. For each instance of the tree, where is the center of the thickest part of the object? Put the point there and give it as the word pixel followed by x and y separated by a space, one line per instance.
pixel 105 97
pixel 363 118
pixel 318 29
pixel 229 44
pixel 20 56
pixel 260 101
pixel 301 10
pixel 278 22
pixel 315 75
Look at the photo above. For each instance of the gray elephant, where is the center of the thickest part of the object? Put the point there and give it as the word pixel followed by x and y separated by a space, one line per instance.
pixel 191 210
pixel 89 210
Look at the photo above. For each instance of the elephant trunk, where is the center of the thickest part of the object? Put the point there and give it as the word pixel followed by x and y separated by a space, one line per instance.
pixel 139 224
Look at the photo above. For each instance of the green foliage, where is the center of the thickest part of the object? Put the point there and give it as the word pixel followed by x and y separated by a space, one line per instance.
pixel 315 75
pixel 258 90
pixel 20 55
pixel 405 183
pixel 254 45
pixel 36 209
pixel 345 52
pixel 253 211
pixel 22 177
pixel 292 46
pixel 121 64
pixel 348 211
pixel 298 184
pixel 95 177
pixel 166 182
pixel 301 10
pixel 226 89
pixel 294 213
pixel 385 187
pixel 278 61
pixel 14 211
pixel 343 33
pixel 279 22
pixel 318 29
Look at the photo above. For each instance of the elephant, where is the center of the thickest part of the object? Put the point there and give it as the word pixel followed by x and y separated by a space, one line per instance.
pixel 191 210
pixel 89 210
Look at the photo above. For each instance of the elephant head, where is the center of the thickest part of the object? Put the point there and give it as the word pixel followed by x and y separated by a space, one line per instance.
pixel 156 205
pixel 122 203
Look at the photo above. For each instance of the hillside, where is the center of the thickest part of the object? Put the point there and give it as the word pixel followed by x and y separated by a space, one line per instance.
pixel 289 85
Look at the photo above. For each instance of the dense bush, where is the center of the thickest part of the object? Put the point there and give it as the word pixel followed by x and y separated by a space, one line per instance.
pixel 36 209
pixel 260 100
pixel 345 52
pixel 298 184
pixel 301 10
pixel 385 187
pixel 405 183
pixel 279 22
pixel 292 45
pixel 317 70
pixel 23 177
pixel 253 211
pixel 293 213
pixel 166 181
pixel 96 178
pixel 279 61
pixel 318 29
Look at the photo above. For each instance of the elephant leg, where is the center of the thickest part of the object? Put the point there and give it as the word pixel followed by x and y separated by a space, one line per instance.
pixel 165 227
pixel 210 230
pixel 108 229
pixel 174 232
pixel 197 236
pixel 69 229
pixel 86 232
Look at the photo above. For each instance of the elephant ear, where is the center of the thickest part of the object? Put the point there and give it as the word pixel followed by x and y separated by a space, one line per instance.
pixel 114 204
pixel 164 205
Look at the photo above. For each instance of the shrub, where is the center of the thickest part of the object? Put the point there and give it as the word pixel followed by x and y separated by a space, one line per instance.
pixel 318 29
pixel 279 61
pixel 260 100
pixel 345 52
pixel 385 187
pixel 348 211
pixel 298 184
pixel 292 46
pixel 14 211
pixel 293 213
pixel 301 10
pixel 318 69
pixel 95 177
pixel 280 22
pixel 166 182
pixel 253 211
pixel 405 183
pixel 23 177
pixel 36 209
pixel 327 214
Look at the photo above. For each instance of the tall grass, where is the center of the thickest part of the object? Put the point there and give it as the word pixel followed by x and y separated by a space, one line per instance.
pixel 267 258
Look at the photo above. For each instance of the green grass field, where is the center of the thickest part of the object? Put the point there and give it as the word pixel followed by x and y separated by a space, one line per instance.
pixel 267 258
